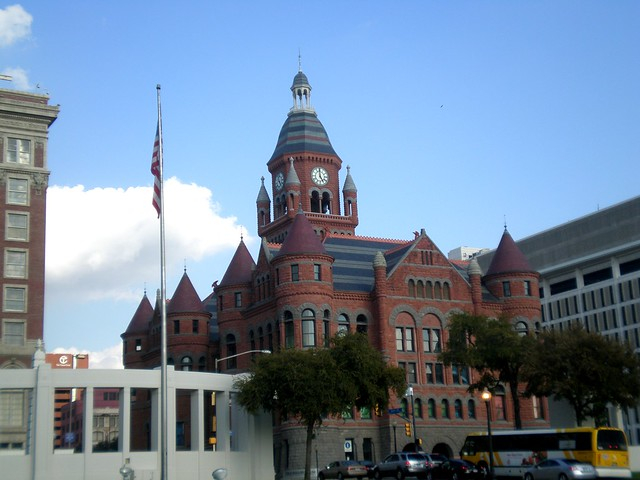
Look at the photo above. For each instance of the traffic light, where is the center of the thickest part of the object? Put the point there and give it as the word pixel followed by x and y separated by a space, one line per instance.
pixel 407 429
pixel 377 410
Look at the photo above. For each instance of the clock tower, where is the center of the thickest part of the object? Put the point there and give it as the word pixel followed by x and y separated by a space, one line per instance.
pixel 305 171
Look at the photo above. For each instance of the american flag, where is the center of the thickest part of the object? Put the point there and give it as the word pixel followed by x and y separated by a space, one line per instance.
pixel 155 169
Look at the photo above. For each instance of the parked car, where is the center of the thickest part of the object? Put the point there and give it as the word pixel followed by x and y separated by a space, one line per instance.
pixel 437 459
pixel 560 469
pixel 453 469
pixel 369 466
pixel 343 469
pixel 402 464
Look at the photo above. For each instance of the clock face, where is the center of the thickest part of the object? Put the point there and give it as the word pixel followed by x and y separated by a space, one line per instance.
pixel 279 182
pixel 319 176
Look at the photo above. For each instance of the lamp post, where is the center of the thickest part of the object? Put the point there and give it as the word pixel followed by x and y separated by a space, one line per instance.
pixel 409 393
pixel 237 355
pixel 486 396
pixel 126 471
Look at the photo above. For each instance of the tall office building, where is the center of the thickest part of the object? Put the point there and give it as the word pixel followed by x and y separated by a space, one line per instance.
pixel 25 119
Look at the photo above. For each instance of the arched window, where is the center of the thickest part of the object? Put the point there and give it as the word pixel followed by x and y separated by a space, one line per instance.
pixel 471 409
pixel 457 408
pixel 412 288
pixel 326 328
pixel 202 364
pixel 343 323
pixel 438 291
pixel 260 338
pixel 429 290
pixel 252 340
pixel 522 328
pixel 446 291
pixel 308 328
pixel 269 338
pixel 444 408
pixel 420 289
pixel 288 330
pixel 417 408
pixel 499 403
pixel 186 364
pixel 431 408
pixel 326 203
pixel 315 202
pixel 404 405
pixel 361 324
pixel 231 350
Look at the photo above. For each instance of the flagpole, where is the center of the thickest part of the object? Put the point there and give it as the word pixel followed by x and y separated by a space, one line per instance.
pixel 163 309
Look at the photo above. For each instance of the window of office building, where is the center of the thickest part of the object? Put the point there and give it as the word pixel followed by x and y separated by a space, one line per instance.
pixel 17 191
pixel 17 227
pixel 13 332
pixel 19 151
pixel 15 263
pixel 15 299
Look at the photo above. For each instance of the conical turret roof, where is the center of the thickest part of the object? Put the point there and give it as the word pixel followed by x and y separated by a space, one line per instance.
pixel 302 239
pixel 508 257
pixel 185 298
pixel 140 321
pixel 241 267
pixel 263 195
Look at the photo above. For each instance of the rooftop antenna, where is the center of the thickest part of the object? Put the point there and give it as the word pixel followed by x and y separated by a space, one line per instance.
pixel 299 61
pixel 505 223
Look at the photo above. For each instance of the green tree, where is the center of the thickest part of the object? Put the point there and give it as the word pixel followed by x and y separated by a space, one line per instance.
pixel 587 370
pixel 493 348
pixel 315 383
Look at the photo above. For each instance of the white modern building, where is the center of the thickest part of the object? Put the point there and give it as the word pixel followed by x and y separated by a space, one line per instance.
pixel 214 433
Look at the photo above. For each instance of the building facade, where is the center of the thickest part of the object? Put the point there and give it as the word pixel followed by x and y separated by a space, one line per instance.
pixel 590 275
pixel 25 119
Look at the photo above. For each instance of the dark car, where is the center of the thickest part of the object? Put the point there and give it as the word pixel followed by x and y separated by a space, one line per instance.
pixel 369 466
pixel 402 464
pixel 343 469
pixel 455 470
pixel 560 469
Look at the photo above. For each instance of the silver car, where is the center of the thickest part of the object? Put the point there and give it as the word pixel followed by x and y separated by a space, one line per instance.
pixel 560 469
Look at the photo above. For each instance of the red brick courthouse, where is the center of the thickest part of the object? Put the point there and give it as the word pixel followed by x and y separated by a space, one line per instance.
pixel 314 276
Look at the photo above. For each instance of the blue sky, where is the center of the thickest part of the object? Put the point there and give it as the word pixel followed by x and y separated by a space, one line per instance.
pixel 452 115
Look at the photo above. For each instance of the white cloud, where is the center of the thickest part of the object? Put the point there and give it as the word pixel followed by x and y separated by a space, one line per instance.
pixel 110 358
pixel 19 78
pixel 103 243
pixel 15 24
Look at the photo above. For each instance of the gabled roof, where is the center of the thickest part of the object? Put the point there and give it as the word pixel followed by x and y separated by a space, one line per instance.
pixel 185 298
pixel 140 321
pixel 301 239
pixel 240 269
pixel 508 257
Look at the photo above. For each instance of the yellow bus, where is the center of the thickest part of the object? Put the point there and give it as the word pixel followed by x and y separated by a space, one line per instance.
pixel 514 451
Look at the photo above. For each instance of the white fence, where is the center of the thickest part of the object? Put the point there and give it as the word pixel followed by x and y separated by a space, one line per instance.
pixel 245 450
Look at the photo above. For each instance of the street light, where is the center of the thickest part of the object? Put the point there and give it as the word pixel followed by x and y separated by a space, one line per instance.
pixel 486 396
pixel 237 355
pixel 126 471
pixel 409 393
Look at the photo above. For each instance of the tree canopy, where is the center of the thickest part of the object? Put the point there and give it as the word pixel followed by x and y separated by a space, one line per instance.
pixel 493 348
pixel 586 369
pixel 315 383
